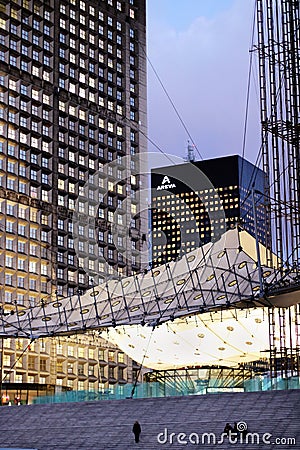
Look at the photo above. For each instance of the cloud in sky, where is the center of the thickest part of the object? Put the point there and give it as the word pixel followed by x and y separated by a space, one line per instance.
pixel 201 54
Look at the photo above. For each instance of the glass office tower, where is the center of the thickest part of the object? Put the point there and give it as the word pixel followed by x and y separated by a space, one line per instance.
pixel 72 126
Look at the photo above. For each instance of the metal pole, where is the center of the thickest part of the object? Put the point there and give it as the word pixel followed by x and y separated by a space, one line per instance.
pixel 257 245
pixel 136 380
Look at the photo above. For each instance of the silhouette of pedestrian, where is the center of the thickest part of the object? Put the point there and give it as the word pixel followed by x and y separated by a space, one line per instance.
pixel 136 429
pixel 228 428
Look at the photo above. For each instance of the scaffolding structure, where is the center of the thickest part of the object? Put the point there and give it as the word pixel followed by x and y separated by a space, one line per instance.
pixel 278 24
pixel 278 32
pixel 284 341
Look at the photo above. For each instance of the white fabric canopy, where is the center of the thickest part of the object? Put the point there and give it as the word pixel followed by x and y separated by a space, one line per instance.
pixel 225 338
pixel 213 277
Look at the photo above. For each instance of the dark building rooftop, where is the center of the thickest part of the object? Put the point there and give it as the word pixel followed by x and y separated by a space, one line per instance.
pixel 196 202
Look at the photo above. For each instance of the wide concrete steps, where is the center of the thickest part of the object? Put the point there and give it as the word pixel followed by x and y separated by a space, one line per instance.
pixel 107 425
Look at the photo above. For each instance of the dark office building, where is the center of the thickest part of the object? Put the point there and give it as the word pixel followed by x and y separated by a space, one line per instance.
pixel 196 202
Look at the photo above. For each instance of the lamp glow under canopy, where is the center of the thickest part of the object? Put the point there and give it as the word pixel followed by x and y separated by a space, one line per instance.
pixel 224 339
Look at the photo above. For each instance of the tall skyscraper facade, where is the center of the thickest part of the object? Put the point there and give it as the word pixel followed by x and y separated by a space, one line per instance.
pixel 72 127
pixel 195 203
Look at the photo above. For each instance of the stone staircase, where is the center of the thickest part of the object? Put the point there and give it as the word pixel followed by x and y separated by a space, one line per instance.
pixel 107 425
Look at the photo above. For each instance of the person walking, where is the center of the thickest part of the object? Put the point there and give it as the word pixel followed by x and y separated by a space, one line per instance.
pixel 136 429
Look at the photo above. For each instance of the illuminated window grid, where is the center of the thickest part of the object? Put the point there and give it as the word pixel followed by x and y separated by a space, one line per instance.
pixel 228 196
pixel 88 135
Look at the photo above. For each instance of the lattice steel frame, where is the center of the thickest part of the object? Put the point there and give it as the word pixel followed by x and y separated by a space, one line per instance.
pixel 278 25
pixel 284 341
pixel 278 31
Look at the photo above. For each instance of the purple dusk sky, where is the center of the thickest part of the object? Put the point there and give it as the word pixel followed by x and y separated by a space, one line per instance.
pixel 200 50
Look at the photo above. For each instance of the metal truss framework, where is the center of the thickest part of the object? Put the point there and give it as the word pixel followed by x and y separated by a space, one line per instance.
pixel 284 336
pixel 278 24
pixel 220 275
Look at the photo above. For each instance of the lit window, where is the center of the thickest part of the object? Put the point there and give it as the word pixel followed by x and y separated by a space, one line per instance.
pixel 35 71
pixel 45 196
pixel 13 60
pixel 2 23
